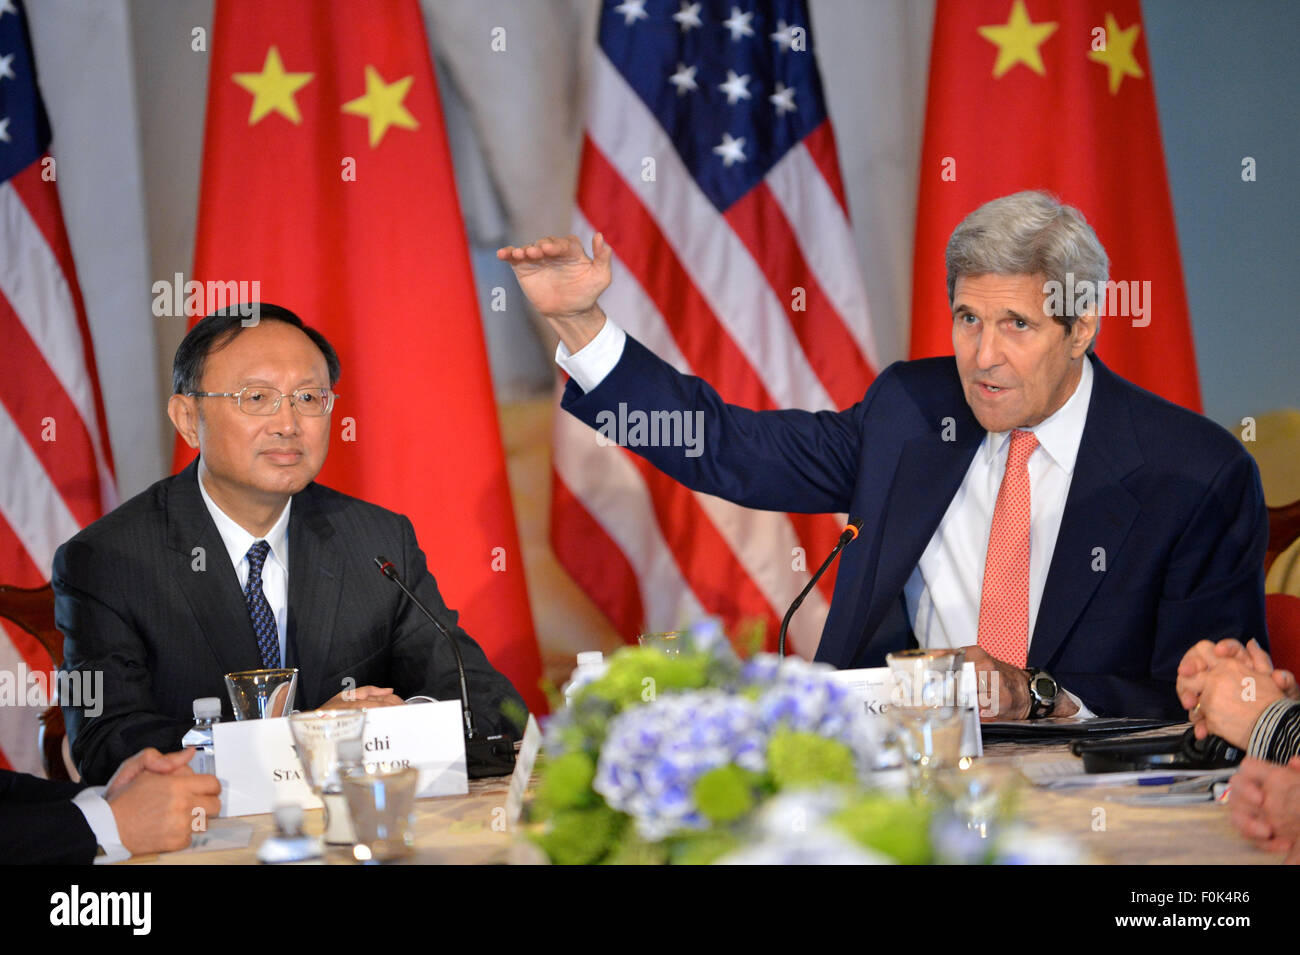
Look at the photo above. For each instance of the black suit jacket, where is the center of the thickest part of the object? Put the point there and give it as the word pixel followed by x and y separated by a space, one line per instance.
pixel 1161 541
pixel 148 595
pixel 39 824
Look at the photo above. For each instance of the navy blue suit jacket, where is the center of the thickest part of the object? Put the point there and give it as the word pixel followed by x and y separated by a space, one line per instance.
pixel 134 602
pixel 1168 500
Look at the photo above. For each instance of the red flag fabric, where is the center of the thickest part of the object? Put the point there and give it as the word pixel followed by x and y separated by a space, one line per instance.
pixel 327 179
pixel 1056 95
pixel 709 163
pixel 58 469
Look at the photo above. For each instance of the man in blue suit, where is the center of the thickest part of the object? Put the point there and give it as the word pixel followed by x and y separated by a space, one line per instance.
pixel 1073 532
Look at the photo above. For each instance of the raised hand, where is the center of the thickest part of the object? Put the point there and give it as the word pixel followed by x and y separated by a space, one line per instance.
pixel 563 283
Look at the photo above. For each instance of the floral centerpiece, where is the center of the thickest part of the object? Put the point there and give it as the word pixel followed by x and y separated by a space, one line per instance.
pixel 703 757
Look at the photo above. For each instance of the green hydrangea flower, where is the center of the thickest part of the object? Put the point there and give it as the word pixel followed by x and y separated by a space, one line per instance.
pixel 806 759
pixel 702 848
pixel 639 674
pixel 725 794
pixel 895 826
pixel 633 851
pixel 566 784
pixel 581 836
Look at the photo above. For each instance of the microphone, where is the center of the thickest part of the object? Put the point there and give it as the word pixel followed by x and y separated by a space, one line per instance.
pixel 850 532
pixel 484 756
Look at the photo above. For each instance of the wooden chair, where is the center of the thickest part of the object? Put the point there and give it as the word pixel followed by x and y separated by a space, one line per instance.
pixel 1283 610
pixel 33 611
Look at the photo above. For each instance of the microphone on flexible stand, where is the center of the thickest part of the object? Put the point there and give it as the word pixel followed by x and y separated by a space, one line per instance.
pixel 484 755
pixel 850 532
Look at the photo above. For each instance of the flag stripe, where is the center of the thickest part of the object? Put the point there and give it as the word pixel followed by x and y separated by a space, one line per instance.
pixel 41 199
pixel 607 575
pixel 611 207
pixel 820 144
pixel 609 485
pixel 35 401
pixel 31 278
pixel 817 218
pixel 759 222
pixel 29 501
pixel 713 258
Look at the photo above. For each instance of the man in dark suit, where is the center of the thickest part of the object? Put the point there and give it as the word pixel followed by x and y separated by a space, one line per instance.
pixel 153 803
pixel 1074 533
pixel 241 562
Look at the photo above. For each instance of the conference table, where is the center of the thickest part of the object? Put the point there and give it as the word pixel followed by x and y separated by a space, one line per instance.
pixel 473 830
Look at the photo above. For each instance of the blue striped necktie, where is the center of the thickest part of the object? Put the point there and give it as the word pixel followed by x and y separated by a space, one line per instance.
pixel 259 611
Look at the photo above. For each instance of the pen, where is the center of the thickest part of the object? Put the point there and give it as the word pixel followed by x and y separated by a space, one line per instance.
pixel 1158 780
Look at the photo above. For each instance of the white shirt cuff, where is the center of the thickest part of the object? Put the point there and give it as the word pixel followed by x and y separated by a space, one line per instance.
pixel 99 815
pixel 1084 713
pixel 594 361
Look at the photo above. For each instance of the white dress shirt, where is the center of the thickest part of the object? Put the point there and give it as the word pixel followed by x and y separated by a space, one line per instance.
pixel 275 570
pixel 943 593
pixel 102 822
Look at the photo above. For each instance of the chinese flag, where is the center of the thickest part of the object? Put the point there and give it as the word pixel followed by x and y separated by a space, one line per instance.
pixel 1055 95
pixel 327 178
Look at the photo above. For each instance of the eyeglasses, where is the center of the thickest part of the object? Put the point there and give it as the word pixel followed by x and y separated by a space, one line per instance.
pixel 313 402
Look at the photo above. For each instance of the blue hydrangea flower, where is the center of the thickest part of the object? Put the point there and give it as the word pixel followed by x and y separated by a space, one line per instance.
pixel 653 756
pixel 806 697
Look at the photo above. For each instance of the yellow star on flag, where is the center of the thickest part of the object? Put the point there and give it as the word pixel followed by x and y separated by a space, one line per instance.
pixel 1018 40
pixel 382 104
pixel 1118 56
pixel 273 89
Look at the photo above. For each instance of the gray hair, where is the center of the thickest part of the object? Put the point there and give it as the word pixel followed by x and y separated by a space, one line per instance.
pixel 1029 233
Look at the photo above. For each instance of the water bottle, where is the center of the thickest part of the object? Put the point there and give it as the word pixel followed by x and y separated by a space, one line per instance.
pixel 207 711
pixel 591 667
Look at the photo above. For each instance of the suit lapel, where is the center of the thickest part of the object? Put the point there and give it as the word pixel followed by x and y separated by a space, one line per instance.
pixel 1099 512
pixel 208 580
pixel 315 584
pixel 930 470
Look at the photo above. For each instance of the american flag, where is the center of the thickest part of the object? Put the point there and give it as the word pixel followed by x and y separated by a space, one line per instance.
pixel 709 163
pixel 57 468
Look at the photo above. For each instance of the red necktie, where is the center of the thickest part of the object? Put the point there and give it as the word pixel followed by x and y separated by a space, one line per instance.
pixel 1004 599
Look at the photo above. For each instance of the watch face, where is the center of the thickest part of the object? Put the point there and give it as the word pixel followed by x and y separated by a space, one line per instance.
pixel 1043 687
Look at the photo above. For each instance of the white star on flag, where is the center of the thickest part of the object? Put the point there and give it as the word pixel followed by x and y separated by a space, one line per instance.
pixel 4 131
pixel 736 88
pixel 783 99
pixel 688 16
pixel 784 36
pixel 6 6
pixel 738 24
pixel 731 150
pixel 6 71
pixel 632 11
pixel 684 79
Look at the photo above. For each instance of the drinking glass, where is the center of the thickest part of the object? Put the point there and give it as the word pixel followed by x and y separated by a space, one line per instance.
pixel 382 806
pixel 316 739
pixel 262 694
pixel 929 740
pixel 666 641
pixel 926 677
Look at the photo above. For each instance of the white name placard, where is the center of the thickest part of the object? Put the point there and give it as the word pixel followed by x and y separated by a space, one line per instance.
pixel 258 768
pixel 524 761
pixel 877 688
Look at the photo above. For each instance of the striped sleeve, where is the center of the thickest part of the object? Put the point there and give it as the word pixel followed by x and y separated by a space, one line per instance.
pixel 1276 736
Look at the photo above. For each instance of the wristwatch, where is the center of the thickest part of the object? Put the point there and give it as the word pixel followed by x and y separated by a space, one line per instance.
pixel 1043 691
